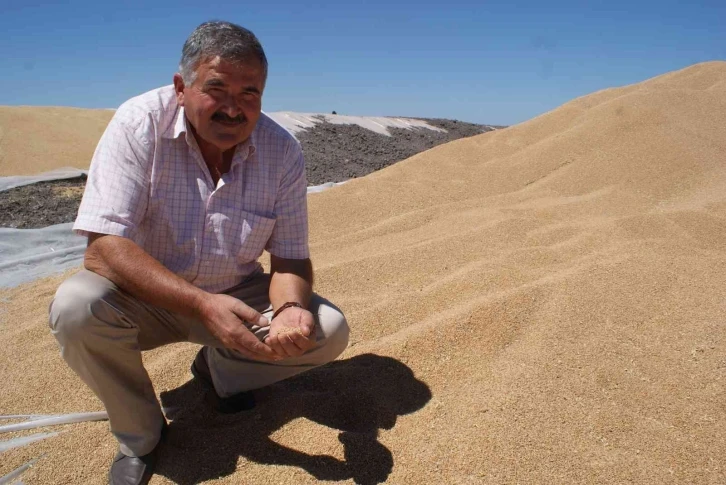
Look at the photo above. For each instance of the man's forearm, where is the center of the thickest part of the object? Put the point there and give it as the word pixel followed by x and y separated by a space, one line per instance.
pixel 135 271
pixel 292 280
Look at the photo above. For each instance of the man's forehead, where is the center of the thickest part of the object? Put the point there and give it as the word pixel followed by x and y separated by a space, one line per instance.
pixel 217 68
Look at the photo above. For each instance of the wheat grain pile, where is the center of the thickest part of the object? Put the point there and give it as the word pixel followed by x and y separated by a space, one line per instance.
pixel 540 304
pixel 38 139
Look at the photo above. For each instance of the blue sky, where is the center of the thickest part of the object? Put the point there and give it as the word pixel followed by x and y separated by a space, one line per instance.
pixel 488 62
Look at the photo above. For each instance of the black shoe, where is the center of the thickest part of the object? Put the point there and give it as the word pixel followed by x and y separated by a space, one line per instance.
pixel 134 470
pixel 244 401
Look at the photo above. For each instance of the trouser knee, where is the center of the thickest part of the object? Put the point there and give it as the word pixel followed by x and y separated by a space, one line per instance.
pixel 75 308
pixel 337 332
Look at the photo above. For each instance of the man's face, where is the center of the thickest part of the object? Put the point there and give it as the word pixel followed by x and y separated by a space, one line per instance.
pixel 224 102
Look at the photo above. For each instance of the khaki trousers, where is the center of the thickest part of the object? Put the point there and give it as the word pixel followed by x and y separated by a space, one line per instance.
pixel 102 330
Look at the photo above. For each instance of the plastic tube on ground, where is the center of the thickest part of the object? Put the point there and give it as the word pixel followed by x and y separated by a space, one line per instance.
pixel 4 480
pixel 55 420
pixel 24 440
pixel 30 417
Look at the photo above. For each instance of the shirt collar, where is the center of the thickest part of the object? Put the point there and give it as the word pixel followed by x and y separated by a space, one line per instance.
pixel 243 152
pixel 178 126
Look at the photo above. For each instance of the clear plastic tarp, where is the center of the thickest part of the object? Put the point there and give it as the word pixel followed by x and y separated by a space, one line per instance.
pixel 29 254
pixel 7 183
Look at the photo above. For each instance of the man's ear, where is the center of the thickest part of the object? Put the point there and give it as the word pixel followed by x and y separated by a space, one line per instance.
pixel 179 88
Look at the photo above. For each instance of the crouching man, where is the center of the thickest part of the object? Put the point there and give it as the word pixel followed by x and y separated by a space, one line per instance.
pixel 187 187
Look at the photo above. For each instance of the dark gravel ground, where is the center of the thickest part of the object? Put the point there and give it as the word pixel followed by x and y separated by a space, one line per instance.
pixel 333 153
pixel 41 204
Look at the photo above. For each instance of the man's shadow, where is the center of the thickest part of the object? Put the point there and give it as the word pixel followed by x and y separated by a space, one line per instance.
pixel 357 396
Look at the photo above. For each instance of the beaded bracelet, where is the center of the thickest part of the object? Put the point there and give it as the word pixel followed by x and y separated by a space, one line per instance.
pixel 285 307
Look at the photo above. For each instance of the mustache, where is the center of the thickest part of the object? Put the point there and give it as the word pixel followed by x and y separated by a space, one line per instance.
pixel 228 119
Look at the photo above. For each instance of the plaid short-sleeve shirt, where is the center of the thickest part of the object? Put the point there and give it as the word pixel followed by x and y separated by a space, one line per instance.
pixel 148 182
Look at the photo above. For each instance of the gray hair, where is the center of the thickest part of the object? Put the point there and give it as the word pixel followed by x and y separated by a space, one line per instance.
pixel 219 39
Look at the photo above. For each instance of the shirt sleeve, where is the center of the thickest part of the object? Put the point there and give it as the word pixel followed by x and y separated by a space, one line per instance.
pixel 117 191
pixel 289 237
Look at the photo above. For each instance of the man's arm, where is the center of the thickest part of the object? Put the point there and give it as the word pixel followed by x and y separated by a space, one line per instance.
pixel 131 268
pixel 128 266
pixel 292 332
pixel 292 280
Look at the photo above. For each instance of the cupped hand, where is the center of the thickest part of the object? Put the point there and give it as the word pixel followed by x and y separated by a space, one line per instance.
pixel 292 332
pixel 224 317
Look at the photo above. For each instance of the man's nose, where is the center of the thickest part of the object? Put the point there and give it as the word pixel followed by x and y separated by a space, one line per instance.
pixel 230 107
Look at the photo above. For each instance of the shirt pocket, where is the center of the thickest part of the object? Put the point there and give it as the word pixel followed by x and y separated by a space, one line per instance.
pixel 253 232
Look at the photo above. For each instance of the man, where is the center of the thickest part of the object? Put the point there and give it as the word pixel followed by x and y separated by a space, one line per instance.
pixel 187 186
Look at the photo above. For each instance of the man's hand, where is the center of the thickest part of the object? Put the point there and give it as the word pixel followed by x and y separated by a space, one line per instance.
pixel 224 317
pixel 292 332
